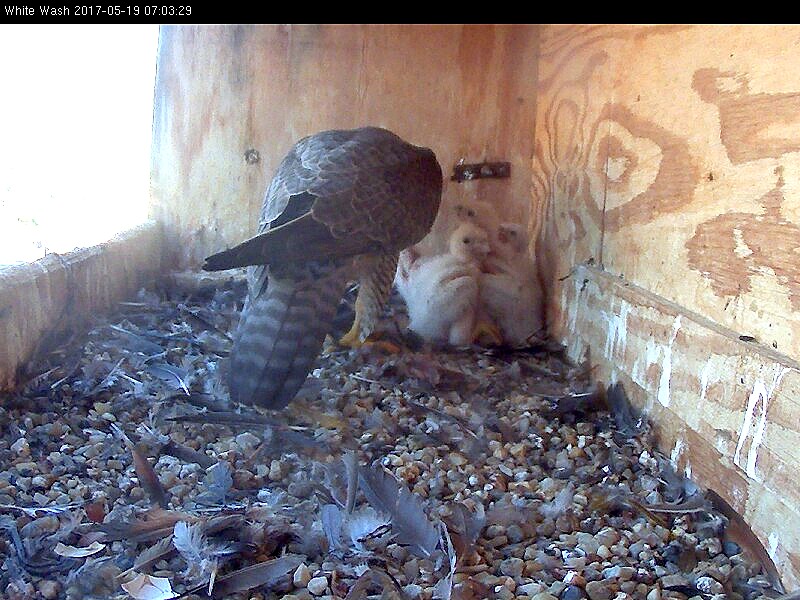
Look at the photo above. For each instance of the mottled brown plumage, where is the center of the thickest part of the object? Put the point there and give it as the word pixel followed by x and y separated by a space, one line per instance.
pixel 342 205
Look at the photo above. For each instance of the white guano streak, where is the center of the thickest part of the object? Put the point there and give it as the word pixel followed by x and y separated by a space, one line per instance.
pixel 666 365
pixel 763 395
pixel 617 330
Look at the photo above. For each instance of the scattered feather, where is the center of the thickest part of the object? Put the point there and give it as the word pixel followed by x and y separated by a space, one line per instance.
pixel 108 379
pixel 148 478
pixel 361 525
pixel 202 556
pixel 379 579
pixel 505 513
pixel 171 375
pixel 147 587
pixel 136 342
pixel 74 552
pixel 265 574
pixel 628 422
pixel 558 505
pixel 96 578
pixel 156 524
pixel 37 511
pixel 695 504
pixel 409 521
pixel 465 526
pixel 216 485
pixel 444 587
pixel 350 461
pixel 331 517
pixel 162 549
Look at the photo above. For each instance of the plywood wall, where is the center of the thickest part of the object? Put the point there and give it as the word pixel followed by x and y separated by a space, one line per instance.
pixel 672 156
pixel 667 159
pixel 467 92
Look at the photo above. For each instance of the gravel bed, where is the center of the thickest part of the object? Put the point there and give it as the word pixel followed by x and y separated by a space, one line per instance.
pixel 430 473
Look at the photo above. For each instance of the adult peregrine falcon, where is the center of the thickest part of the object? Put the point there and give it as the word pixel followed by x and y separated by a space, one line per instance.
pixel 342 206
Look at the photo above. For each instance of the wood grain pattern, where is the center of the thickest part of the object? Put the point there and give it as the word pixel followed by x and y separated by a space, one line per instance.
pixel 669 156
pixel 703 146
pixel 467 92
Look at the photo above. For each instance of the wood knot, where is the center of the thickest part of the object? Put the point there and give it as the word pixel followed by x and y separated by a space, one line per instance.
pixel 252 156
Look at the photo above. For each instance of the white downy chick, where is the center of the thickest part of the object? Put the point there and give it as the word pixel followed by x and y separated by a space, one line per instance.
pixel 441 292
pixel 510 292
pixel 407 262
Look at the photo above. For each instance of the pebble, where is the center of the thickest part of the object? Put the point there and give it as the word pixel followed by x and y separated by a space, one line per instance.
pixel 21 447
pixel 503 593
pixel 598 590
pixel 247 441
pixel 302 576
pixel 654 594
pixel 731 548
pixel 49 589
pixel 457 459
pixel 275 470
pixel 531 589
pixel 317 585
pixel 493 531
pixel 544 596
pixel 587 542
pixel 39 482
pixel 709 585
pixel 674 580
pixel 514 533
pixel 556 588
pixel 512 567
pixel 575 579
pixel 572 592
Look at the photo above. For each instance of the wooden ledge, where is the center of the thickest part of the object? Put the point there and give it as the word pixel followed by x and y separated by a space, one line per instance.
pixel 42 300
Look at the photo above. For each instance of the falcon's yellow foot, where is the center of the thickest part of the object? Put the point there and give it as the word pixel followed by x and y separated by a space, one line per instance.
pixel 487 333
pixel 384 345
pixel 351 340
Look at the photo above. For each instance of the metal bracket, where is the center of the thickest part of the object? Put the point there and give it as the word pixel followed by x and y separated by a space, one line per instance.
pixel 484 170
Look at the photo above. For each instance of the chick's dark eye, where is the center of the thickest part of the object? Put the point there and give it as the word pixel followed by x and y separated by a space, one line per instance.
pixel 466 240
pixel 471 213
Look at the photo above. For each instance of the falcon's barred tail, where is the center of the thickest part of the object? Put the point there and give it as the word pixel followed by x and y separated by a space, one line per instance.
pixel 280 335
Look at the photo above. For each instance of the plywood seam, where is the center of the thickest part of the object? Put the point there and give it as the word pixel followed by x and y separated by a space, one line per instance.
pixel 661 303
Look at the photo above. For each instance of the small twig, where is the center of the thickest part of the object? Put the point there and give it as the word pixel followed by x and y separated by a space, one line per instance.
pixel 219 418
pixel 364 379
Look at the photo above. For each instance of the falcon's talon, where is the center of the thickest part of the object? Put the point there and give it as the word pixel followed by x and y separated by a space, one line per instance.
pixel 352 339
pixel 384 345
pixel 486 330
pixel 373 343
